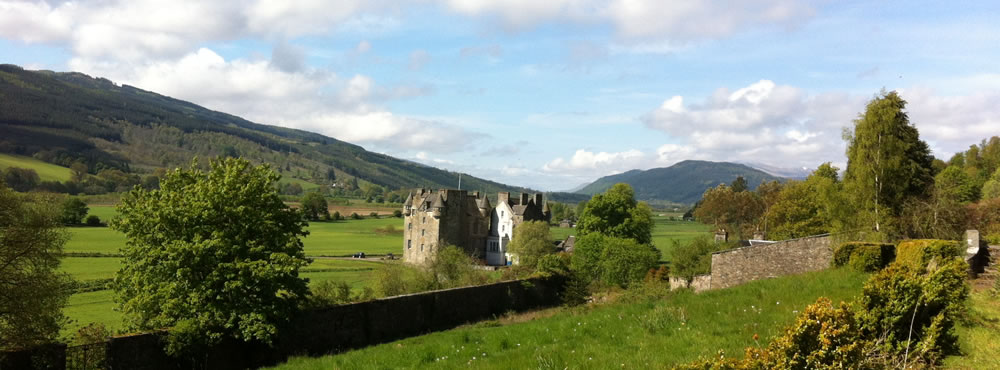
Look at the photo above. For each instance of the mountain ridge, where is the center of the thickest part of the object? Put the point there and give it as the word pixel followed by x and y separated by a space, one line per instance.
pixel 683 182
pixel 68 117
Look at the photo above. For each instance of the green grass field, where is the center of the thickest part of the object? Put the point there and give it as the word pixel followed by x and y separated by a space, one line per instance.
pixel 977 337
pixel 85 308
pixel 665 232
pixel 649 334
pixel 105 212
pixel 306 185
pixel 46 171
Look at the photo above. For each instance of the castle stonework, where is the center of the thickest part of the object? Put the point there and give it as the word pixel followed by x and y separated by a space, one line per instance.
pixel 434 219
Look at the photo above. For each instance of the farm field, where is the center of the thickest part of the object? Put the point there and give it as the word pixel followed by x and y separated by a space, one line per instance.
pixel 46 171
pixel 648 334
pixel 85 308
pixel 343 238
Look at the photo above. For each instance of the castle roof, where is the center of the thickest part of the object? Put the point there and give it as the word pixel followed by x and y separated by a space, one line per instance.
pixel 437 202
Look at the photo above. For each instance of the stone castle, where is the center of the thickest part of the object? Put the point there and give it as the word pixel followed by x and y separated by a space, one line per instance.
pixel 434 219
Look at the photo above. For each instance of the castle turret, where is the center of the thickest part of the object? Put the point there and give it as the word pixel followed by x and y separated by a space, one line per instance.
pixel 408 204
pixel 437 207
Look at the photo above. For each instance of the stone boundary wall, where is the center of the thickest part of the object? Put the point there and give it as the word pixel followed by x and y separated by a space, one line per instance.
pixel 341 328
pixel 699 283
pixel 740 265
pixel 320 332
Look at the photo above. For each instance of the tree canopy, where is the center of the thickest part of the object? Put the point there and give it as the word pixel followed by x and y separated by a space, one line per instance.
pixel 211 253
pixel 32 291
pixel 616 213
pixel 531 241
pixel 314 205
pixel 886 161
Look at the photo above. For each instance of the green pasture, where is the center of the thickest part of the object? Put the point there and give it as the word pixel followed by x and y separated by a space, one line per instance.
pixel 347 237
pixel 93 240
pixel 85 308
pixel 105 212
pixel 665 231
pixel 306 185
pixel 648 334
pixel 46 171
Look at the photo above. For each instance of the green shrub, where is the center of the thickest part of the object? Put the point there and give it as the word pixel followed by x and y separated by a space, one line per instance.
pixel 329 293
pixel 397 214
pixel 871 257
pixel 694 258
pixel 390 280
pixel 842 254
pixel 373 215
pixel 927 301
pixel 624 261
pixel 93 220
pixel 918 253
pixel 355 216
pixel 822 337
pixel 553 265
pixel 586 258
pixel 337 216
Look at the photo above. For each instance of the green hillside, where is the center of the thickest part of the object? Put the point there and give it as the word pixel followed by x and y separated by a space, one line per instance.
pixel 684 182
pixel 62 118
pixel 46 171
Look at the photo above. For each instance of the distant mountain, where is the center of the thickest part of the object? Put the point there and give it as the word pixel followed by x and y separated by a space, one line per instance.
pixel 684 182
pixel 63 118
pixel 794 173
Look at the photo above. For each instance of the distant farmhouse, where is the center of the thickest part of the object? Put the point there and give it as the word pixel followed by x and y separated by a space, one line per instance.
pixel 468 221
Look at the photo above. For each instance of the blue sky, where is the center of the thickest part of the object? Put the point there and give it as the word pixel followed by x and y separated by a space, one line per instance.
pixel 546 94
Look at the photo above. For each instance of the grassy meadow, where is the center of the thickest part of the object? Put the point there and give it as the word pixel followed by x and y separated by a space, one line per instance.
pixel 977 336
pixel 46 171
pixel 648 334
pixel 341 238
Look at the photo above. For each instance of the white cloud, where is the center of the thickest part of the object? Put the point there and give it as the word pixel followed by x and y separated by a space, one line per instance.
pixel 601 163
pixel 418 59
pixel 310 99
pixel 785 126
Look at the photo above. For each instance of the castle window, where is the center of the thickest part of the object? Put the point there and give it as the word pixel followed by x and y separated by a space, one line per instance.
pixel 409 225
pixel 409 244
pixel 421 232
pixel 424 220
pixel 421 247
pixel 501 213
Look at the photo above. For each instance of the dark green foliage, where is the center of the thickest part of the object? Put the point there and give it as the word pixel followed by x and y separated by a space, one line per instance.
pixel 73 211
pixel 554 265
pixel 918 253
pixel 694 258
pixel 329 293
pixel 373 215
pixel 887 163
pixel 397 214
pixel 337 216
pixel 953 184
pixel 616 213
pixel 625 262
pixel 915 309
pixel 314 206
pixel 211 253
pixel 684 182
pixel 32 291
pixel 869 258
pixel 531 242
pixel 612 260
pixel 740 184
pixel 355 216
pixel 864 256
pixel 21 179
pixel 93 220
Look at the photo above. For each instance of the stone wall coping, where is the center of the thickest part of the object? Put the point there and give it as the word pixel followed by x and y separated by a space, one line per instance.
pixel 770 244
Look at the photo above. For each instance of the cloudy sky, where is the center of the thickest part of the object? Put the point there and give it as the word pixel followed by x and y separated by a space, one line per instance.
pixel 544 93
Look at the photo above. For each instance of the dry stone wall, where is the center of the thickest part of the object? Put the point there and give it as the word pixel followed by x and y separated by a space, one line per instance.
pixel 795 256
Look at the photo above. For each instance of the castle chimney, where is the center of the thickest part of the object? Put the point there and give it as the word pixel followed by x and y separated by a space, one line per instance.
pixel 538 200
pixel 503 197
pixel 524 199
pixel 721 236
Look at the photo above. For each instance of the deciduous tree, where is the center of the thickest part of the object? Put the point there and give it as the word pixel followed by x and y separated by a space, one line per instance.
pixel 32 291
pixel 531 241
pixel 73 211
pixel 314 205
pixel 211 253
pixel 886 161
pixel 616 213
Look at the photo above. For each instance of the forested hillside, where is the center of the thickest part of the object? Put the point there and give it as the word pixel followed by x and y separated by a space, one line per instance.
pixel 72 118
pixel 684 182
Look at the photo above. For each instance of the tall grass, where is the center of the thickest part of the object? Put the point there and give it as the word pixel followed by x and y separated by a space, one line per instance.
pixel 651 333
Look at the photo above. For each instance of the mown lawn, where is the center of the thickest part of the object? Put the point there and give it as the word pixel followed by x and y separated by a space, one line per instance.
pixel 347 237
pixel 649 334
pixel 46 171
pixel 105 212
